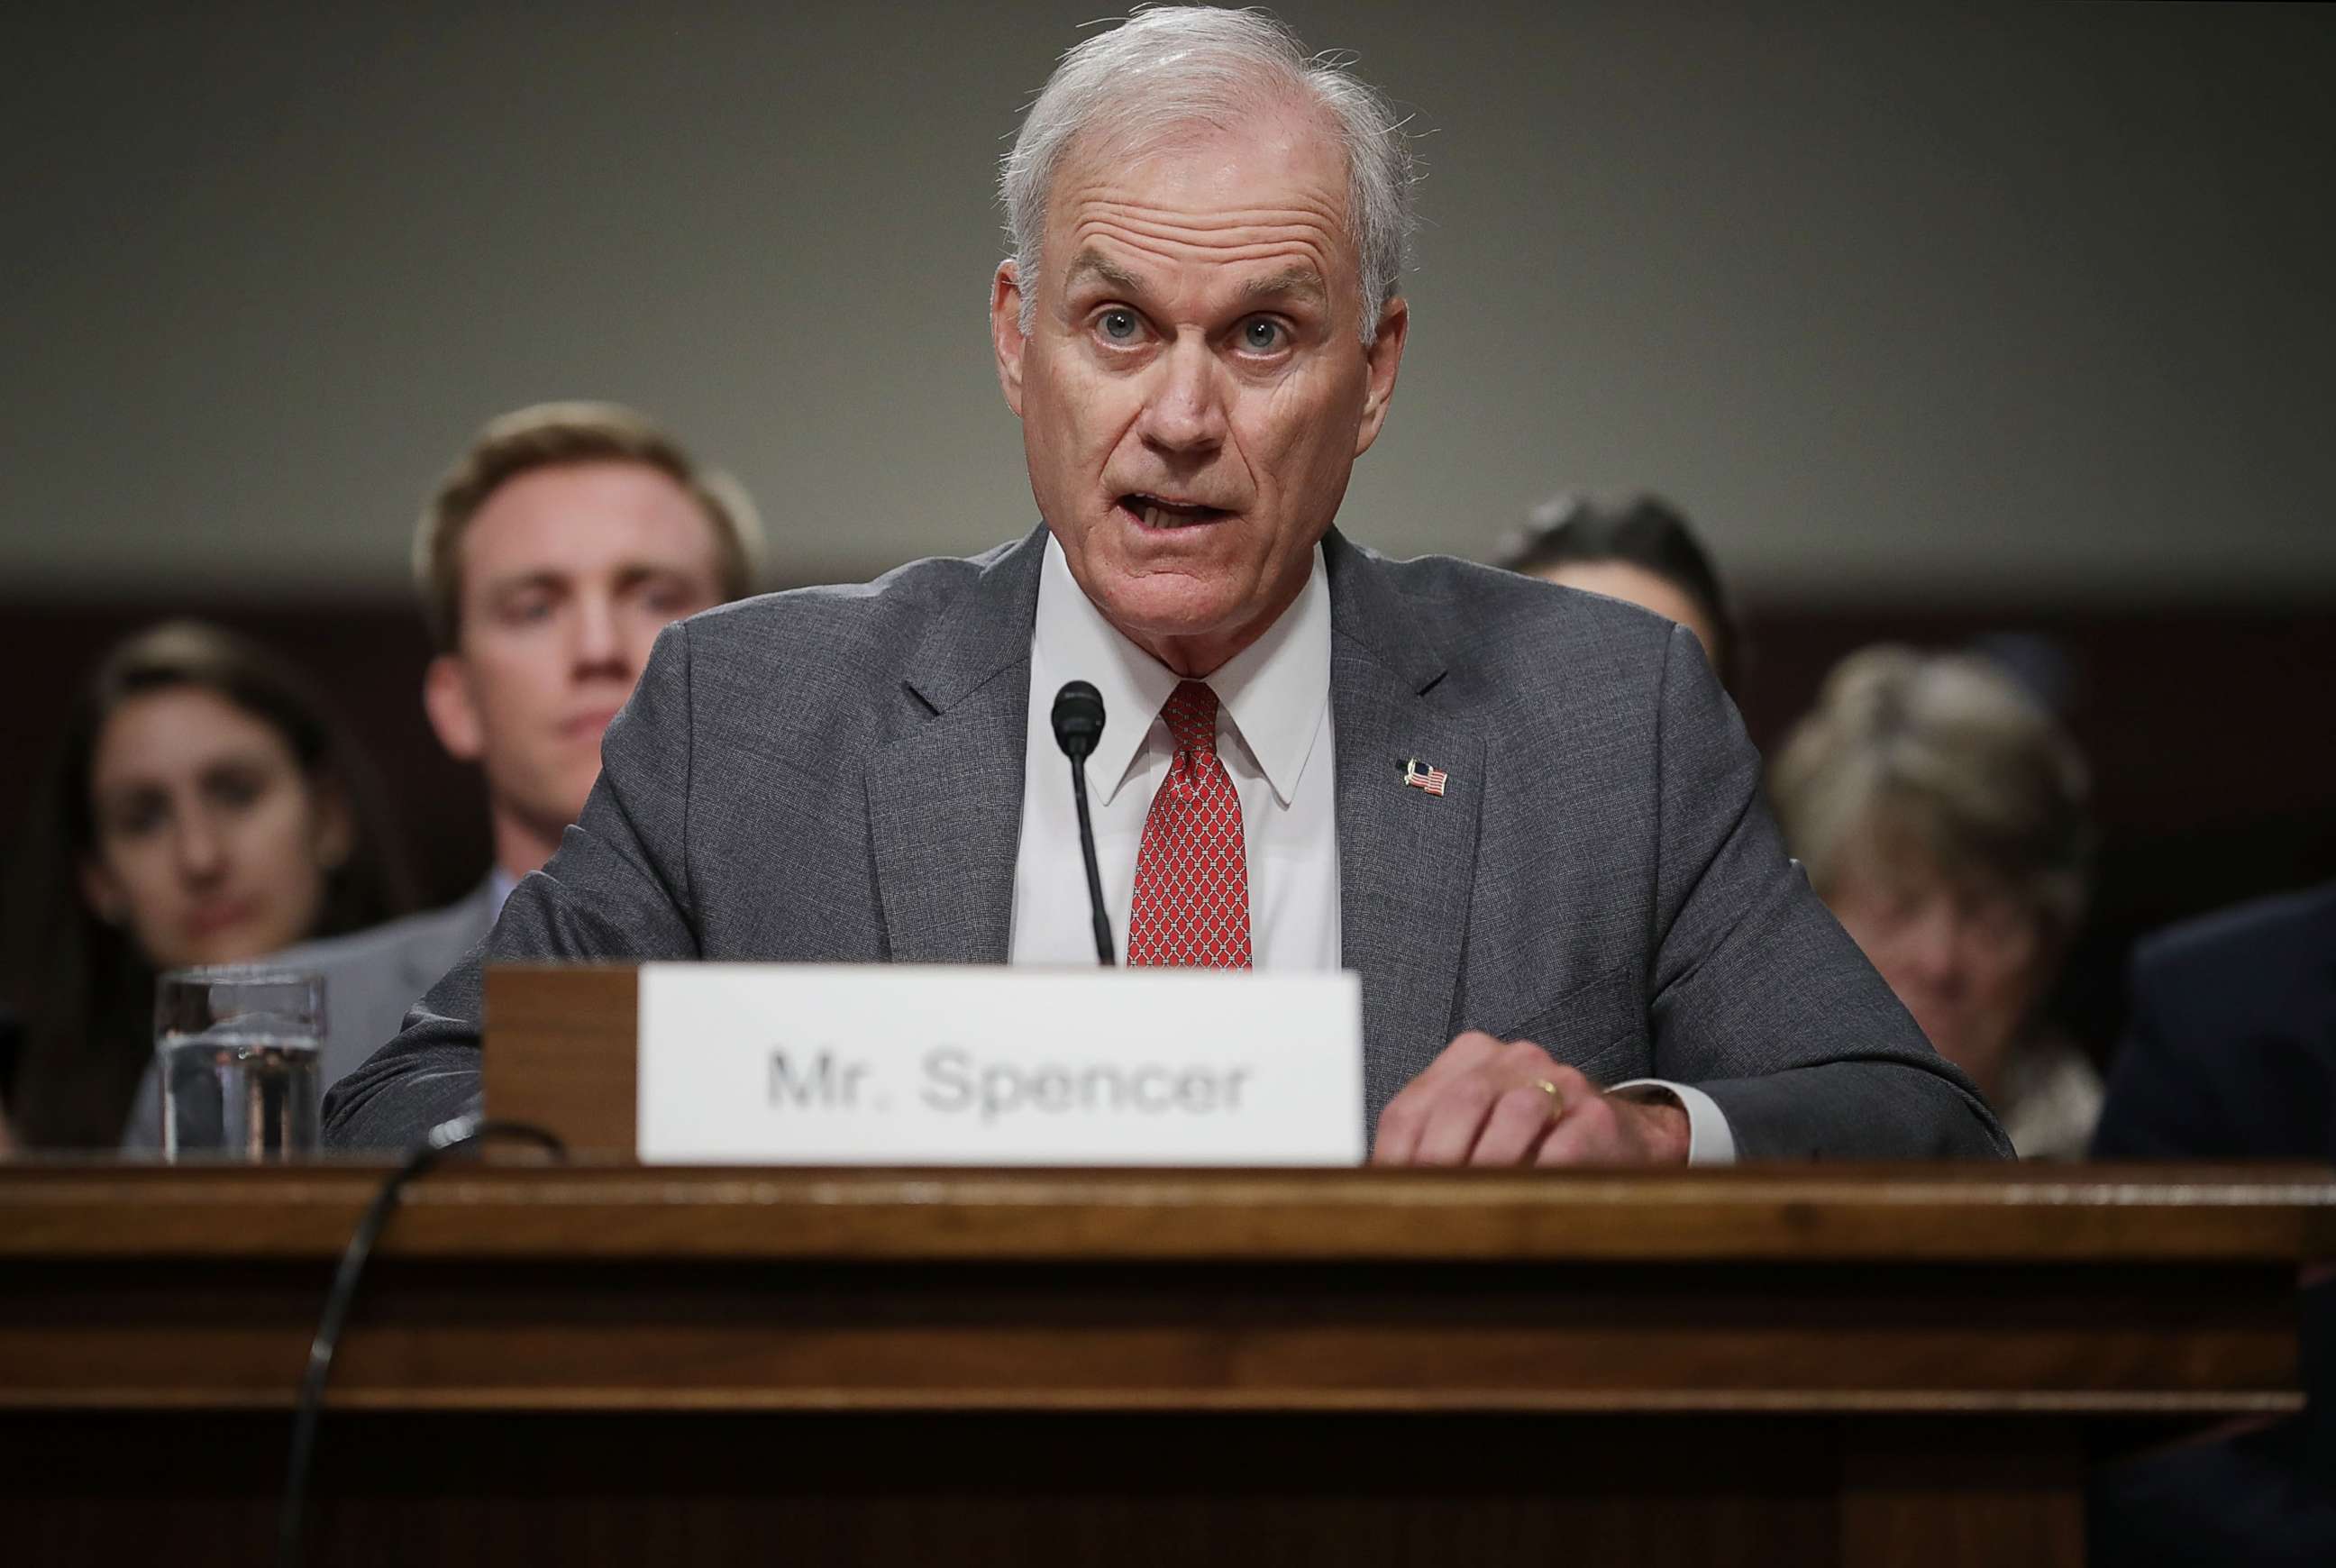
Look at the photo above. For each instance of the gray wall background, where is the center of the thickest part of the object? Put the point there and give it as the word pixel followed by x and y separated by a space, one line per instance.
pixel 1900 301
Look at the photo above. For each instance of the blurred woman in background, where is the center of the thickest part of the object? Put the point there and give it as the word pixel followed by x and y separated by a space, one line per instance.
pixel 203 808
pixel 1942 815
pixel 1634 548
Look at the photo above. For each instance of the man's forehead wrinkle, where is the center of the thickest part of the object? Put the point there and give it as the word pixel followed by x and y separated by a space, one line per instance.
pixel 1304 248
pixel 1104 177
pixel 1299 277
pixel 1299 208
pixel 1285 233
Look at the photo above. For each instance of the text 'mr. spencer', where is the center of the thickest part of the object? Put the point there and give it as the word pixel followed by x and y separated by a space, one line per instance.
pixel 951 1080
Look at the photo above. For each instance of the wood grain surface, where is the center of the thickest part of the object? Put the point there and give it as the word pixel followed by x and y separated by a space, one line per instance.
pixel 617 1287
pixel 601 1362
pixel 989 1491
pixel 606 1363
pixel 616 1209
pixel 564 1051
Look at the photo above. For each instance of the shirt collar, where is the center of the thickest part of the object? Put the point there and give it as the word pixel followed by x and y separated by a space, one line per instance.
pixel 1275 691
pixel 1278 688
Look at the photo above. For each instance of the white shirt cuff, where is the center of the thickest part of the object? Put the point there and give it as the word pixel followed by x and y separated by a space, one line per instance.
pixel 1710 1139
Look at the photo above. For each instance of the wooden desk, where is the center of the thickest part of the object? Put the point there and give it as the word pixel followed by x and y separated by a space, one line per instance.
pixel 614 1364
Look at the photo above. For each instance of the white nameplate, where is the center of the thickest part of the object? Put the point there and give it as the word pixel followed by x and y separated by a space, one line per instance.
pixel 894 1064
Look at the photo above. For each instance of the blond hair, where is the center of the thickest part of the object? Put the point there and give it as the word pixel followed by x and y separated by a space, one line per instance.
pixel 1948 749
pixel 548 436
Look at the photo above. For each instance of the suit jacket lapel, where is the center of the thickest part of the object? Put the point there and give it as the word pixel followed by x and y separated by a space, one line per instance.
pixel 945 800
pixel 1406 859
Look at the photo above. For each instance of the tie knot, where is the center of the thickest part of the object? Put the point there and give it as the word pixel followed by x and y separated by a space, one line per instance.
pixel 1190 712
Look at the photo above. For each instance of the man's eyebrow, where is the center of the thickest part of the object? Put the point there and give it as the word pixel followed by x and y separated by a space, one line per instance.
pixel 1301 281
pixel 542 578
pixel 1095 264
pixel 633 574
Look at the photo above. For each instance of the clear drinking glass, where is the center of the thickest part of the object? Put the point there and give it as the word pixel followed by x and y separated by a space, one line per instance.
pixel 237 1047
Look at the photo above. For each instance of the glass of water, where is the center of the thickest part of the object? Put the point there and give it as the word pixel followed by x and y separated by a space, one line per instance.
pixel 237 1046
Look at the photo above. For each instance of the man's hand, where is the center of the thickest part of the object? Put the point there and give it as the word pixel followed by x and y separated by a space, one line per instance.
pixel 1488 1101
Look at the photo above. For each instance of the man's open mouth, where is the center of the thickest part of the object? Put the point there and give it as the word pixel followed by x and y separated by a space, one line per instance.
pixel 1161 512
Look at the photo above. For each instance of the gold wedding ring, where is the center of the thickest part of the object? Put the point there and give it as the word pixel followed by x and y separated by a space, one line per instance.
pixel 1557 1098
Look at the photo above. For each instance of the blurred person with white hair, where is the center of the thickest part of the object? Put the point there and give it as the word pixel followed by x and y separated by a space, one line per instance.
pixel 1943 815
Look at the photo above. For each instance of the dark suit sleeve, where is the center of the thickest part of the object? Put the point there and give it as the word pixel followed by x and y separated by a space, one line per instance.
pixel 1760 1000
pixel 618 889
pixel 2217 1060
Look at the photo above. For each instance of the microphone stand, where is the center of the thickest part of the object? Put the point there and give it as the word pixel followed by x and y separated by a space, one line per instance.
pixel 1095 874
pixel 1078 725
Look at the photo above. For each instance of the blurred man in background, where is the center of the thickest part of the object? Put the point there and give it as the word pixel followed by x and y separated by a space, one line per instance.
pixel 1635 548
pixel 2230 1054
pixel 548 560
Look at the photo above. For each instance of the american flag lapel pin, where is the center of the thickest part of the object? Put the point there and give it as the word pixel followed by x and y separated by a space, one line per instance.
pixel 1419 775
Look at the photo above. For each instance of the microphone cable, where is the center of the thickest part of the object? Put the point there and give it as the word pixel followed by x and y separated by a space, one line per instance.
pixel 446 1138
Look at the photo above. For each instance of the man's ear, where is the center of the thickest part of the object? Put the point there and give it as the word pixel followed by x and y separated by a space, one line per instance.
pixel 1006 331
pixel 1384 358
pixel 102 892
pixel 453 714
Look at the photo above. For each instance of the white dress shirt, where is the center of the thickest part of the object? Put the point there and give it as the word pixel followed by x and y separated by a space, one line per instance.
pixel 1274 737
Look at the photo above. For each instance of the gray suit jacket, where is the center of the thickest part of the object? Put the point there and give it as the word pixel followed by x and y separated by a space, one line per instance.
pixel 836 774
pixel 372 978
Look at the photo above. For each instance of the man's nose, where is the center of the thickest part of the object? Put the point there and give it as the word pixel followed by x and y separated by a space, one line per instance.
pixel 1185 414
pixel 599 643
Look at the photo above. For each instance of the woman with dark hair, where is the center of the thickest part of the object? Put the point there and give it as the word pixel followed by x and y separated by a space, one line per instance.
pixel 1634 548
pixel 203 808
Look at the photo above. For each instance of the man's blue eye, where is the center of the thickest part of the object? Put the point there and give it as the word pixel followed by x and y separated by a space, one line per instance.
pixel 1119 326
pixel 1263 336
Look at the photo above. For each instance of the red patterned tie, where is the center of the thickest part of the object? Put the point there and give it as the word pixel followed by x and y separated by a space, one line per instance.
pixel 1192 875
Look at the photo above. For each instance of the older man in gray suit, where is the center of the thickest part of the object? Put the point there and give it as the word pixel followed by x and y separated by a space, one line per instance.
pixel 1526 816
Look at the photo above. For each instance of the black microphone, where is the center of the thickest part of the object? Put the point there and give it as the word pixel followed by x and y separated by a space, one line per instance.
pixel 1078 725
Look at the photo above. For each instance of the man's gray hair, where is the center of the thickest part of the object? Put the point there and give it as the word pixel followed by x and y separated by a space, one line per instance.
pixel 1169 67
